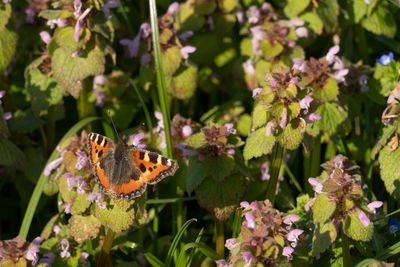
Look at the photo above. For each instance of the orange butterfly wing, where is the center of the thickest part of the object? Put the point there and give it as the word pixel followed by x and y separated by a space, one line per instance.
pixel 152 166
pixel 98 146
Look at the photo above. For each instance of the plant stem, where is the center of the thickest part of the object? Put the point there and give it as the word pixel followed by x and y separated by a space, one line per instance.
pixel 104 259
pixel 311 163
pixel 346 251
pixel 50 129
pixel 155 223
pixel 220 240
pixel 362 44
pixel 277 154
pixel 85 108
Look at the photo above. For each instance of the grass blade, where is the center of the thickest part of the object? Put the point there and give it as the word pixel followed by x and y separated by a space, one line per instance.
pixel 162 90
pixel 37 192
pixel 176 240
pixel 389 252
pixel 169 200
pixel 153 260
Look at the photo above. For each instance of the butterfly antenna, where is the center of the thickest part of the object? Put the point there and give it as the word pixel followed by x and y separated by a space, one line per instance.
pixel 112 122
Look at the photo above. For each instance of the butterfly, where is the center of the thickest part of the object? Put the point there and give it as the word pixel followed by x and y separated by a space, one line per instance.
pixel 124 171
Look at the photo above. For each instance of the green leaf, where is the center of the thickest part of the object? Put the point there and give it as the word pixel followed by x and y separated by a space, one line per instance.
pixel 153 260
pixel 262 67
pixel 83 228
pixel 206 7
pixel 292 135
pixel 323 208
pixel 246 48
pixel 359 10
pixel 354 228
pixel 259 115
pixel 331 118
pixel 65 38
pixel 184 82
pixel 243 125
pixel 10 154
pixel 71 71
pixel 390 170
pixel 314 21
pixel 221 198
pixel 186 19
pixel 118 215
pixel 79 204
pixel 228 6
pixel 8 42
pixel 258 144
pixel 195 174
pixel 324 235
pixel 171 59
pixel 386 133
pixel 50 14
pixel 25 122
pixel 328 11
pixel 44 91
pixel 380 21
pixel 218 167
pixel 270 50
pixel 5 14
pixel 196 140
pixel 329 92
pixel 295 7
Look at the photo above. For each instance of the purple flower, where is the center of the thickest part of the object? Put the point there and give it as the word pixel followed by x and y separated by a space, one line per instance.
pixel 256 92
pixel 273 83
pixel 340 74
pixel 248 67
pixel 221 263
pixel 374 205
pixel 32 256
pixel 317 184
pixel 305 103
pixel 367 2
pixel 293 236
pixel 294 80
pixel 107 6
pixel 248 259
pixel 99 198
pixel 54 164
pixel 145 59
pixel 160 123
pixel 270 128
pixel 186 150
pixel 250 220
pixel 302 32
pixel 231 243
pixel 290 219
pixel 30 15
pixel 240 16
pixel 393 96
pixel 56 229
pixel 253 243
pixel 37 241
pixel 265 171
pixel 331 56
pixel 2 93
pixel 187 131
pixel 244 204
pixel 77 8
pixel 6 116
pixel 258 36
pixel 56 22
pixel 384 60
pixel 133 45
pixel 186 50
pixel 313 116
pixel 82 160
pixel 100 96
pixel 363 82
pixel 65 247
pixel 253 14
pixel 287 252
pixel 79 24
pixel 67 209
pixel 6 1
pixel 283 118
pixel 80 185
pixel 136 140
pixel 173 8
pixel 48 258
pixel 363 217
pixel 46 37
pixel 186 34
pixel 229 128
pixel 298 64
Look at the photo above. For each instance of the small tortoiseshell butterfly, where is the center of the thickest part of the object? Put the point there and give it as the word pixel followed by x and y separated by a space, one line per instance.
pixel 124 171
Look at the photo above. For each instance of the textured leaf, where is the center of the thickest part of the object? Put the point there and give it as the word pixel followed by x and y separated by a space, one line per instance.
pixel 221 198
pixel 8 41
pixel 243 125
pixel 71 71
pixel 195 174
pixel 204 7
pixel 314 21
pixel 328 11
pixel 196 140
pixel 228 6
pixel 50 14
pixel 354 228
pixel 218 167
pixel 10 154
pixel 323 208
pixel 292 135
pixel 208 47
pixel 186 19
pixel 83 228
pixel 117 215
pixel 258 144
pixel 270 50
pixel 295 7
pixel 359 10
pixel 184 82
pixel 324 235
pixel 386 133
pixel 262 67
pixel 390 170
pixel 171 59
pixel 24 122
pixel 329 92
pixel 259 115
pixel 79 204
pixel 380 21
pixel 5 14
pixel 246 48
pixel 331 118
pixel 44 91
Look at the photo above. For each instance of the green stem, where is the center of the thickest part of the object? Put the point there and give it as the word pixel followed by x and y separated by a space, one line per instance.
pixel 104 259
pixel 85 108
pixel 275 168
pixel 311 164
pixel 156 223
pixel 347 262
pixel 220 240
pixel 50 129
pixel 362 44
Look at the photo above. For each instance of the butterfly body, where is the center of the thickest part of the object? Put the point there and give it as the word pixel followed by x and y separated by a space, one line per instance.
pixel 124 171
